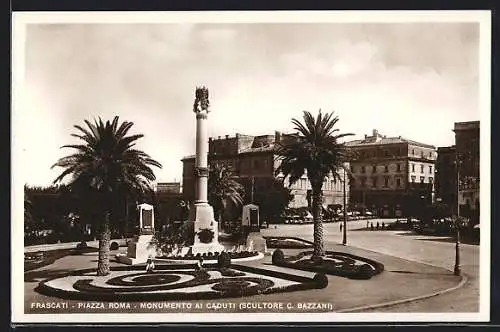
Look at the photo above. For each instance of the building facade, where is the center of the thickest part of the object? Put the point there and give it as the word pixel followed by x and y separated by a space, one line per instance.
pixel 446 177
pixel 467 153
pixel 391 176
pixel 253 161
pixel 169 204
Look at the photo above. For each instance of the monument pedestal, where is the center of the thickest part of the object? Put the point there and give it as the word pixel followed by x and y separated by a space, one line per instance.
pixel 206 230
pixel 138 251
pixel 141 248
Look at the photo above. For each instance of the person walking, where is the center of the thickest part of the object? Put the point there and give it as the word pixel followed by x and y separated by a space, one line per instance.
pixel 150 266
pixel 378 225
pixel 371 226
pixel 341 227
pixel 199 265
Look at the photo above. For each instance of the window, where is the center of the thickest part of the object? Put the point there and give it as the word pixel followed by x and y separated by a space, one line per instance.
pixel 386 181
pixel 303 184
pixel 430 169
pixel 413 167
pixel 374 182
pixel 422 154
pixel 421 168
pixel 256 164
pixel 430 155
pixel 422 179
pixel 413 152
pixel 362 169
pixel 386 168
pixel 374 169
pixel 431 180
pixel 413 177
pixel 398 182
pixel 399 167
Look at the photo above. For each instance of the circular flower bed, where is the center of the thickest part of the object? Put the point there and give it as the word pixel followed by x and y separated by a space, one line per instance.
pixel 335 263
pixel 169 282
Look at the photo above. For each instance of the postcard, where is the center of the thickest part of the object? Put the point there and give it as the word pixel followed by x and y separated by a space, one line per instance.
pixel 288 166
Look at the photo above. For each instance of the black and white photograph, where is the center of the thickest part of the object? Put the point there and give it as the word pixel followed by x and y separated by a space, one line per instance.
pixel 251 166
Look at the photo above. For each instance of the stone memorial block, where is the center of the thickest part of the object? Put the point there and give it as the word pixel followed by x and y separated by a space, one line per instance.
pixel 141 247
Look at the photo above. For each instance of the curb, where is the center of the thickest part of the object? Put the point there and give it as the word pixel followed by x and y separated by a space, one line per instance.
pixel 462 282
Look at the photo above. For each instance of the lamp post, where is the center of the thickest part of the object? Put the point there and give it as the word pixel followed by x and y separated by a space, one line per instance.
pixel 457 270
pixel 344 234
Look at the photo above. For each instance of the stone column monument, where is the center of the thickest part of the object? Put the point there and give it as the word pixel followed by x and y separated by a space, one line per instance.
pixel 202 214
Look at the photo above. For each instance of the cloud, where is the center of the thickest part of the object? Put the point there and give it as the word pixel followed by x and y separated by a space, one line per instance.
pixel 398 78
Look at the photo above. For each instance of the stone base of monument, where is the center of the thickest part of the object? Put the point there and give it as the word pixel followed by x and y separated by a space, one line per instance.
pixel 206 230
pixel 256 242
pixel 139 250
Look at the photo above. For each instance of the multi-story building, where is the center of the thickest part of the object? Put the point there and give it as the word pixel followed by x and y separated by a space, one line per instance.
pixel 169 204
pixel 391 175
pixel 467 154
pixel 446 177
pixel 253 161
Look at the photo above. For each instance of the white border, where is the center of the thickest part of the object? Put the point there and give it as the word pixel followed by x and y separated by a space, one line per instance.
pixel 20 19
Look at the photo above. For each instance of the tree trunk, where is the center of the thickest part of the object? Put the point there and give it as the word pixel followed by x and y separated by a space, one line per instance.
pixel 104 243
pixel 317 205
pixel 220 221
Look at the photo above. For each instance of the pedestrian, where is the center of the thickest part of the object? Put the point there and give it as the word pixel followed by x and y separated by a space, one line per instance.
pixel 341 227
pixel 378 225
pixel 199 266
pixel 150 266
pixel 371 226
pixel 383 225
pixel 367 224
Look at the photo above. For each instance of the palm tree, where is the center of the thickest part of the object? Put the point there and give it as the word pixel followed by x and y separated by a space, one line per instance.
pixel 316 151
pixel 102 168
pixel 223 190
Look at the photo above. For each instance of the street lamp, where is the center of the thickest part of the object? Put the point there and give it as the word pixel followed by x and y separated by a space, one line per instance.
pixel 344 235
pixel 457 270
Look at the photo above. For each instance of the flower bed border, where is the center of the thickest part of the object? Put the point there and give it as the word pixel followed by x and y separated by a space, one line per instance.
pixel 50 256
pixel 378 267
pixel 307 244
pixel 305 283
pixel 210 257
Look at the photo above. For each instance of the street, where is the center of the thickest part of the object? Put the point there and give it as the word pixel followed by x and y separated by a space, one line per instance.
pixel 418 248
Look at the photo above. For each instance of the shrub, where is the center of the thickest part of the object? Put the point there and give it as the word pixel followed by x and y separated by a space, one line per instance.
pixel 365 271
pixel 114 245
pixel 278 257
pixel 81 245
pixel 230 273
pixel 320 280
pixel 224 260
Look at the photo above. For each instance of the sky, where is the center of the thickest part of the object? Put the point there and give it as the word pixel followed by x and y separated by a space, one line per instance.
pixel 404 79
